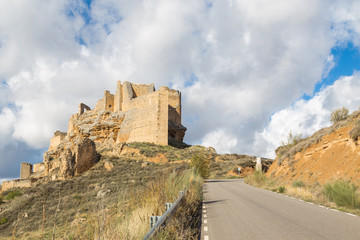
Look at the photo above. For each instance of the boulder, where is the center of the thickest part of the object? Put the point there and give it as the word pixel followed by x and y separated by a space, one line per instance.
pixel 85 156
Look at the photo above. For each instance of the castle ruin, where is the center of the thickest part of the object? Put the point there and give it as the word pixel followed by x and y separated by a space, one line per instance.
pixel 135 113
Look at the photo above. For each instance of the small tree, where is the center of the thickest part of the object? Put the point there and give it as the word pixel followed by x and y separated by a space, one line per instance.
pixel 201 164
pixel 339 114
pixel 292 139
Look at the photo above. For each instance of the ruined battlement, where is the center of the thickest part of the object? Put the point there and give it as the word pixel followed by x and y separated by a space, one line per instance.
pixel 148 115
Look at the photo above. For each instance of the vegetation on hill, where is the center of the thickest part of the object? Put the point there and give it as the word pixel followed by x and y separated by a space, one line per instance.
pixel 339 194
pixel 117 196
pixel 323 168
pixel 339 115
pixel 339 118
pixel 114 204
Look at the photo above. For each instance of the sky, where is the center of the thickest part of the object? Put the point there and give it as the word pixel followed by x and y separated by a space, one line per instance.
pixel 250 72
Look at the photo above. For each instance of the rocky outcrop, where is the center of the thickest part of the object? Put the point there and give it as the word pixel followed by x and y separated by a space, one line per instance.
pixel 85 156
pixel 70 159
pixel 329 154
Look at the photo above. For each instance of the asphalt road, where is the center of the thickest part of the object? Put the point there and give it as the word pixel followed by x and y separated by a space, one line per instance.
pixel 235 210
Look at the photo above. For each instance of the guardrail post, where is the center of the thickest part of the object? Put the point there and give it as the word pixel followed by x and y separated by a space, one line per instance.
pixel 168 206
pixel 157 221
pixel 154 220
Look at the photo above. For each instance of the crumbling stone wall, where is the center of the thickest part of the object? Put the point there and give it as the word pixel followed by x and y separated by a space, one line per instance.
pixel 83 107
pixel 18 183
pixel 38 167
pixel 25 170
pixel 56 139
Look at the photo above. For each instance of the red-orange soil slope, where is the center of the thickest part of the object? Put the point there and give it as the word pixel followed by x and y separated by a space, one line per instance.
pixel 333 156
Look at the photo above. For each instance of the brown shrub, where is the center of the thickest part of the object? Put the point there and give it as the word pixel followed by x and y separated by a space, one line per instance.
pixel 339 114
pixel 355 132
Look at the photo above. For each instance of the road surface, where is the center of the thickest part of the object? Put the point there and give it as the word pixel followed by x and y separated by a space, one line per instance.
pixel 235 210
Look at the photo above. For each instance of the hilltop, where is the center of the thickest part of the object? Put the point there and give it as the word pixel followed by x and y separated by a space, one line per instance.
pixel 329 154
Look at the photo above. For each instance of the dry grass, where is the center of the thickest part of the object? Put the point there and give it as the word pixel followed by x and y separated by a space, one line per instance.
pixel 315 193
pixel 301 193
pixel 220 164
pixel 117 204
pixel 289 151
pixel 132 218
pixel 75 209
pixel 258 179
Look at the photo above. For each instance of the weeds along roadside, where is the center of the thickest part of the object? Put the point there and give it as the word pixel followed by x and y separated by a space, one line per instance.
pixel 339 194
pixel 130 217
pixel 186 222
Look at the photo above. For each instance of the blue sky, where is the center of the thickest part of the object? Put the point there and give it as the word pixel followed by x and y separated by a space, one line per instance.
pixel 249 71
pixel 346 59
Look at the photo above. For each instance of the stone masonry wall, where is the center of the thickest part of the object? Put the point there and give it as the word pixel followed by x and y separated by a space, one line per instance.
pixel 142 89
pixel 38 167
pixel 25 170
pixel 146 120
pixel 56 139
pixel 19 183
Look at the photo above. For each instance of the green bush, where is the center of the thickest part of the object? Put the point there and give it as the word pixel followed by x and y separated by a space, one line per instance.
pixel 339 114
pixel 281 189
pixel 12 195
pixel 201 165
pixel 297 183
pixel 342 193
pixel 3 220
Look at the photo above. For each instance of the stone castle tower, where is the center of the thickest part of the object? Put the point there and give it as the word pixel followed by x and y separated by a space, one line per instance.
pixel 150 116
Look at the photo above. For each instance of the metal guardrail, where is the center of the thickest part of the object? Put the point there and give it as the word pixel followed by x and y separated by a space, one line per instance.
pixel 157 221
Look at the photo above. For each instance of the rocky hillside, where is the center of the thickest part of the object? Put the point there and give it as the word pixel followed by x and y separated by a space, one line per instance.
pixel 329 154
pixel 116 187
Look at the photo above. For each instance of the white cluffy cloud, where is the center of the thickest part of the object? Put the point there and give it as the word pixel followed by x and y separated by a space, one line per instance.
pixel 237 63
pixel 222 139
pixel 306 117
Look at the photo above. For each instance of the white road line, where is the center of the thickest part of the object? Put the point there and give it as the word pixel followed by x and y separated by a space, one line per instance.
pixel 335 210
pixel 205 221
pixel 204 211
pixel 351 214
pixel 204 207
pixel 206 237
pixel 205 215
pixel 205 229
